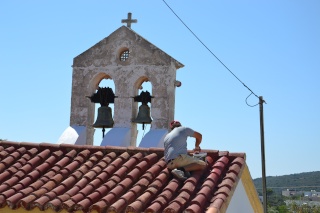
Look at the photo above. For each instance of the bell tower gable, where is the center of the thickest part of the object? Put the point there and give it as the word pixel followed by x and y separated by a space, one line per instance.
pixel 108 52
pixel 128 60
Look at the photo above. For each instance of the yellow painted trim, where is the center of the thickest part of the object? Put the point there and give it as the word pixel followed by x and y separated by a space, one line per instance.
pixel 251 190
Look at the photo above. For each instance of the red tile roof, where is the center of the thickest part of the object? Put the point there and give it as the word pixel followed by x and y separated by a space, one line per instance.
pixel 110 179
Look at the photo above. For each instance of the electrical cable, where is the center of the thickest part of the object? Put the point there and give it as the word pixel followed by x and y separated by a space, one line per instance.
pixel 212 53
pixel 249 104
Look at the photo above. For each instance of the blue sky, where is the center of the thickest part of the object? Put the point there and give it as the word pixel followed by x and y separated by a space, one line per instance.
pixel 271 46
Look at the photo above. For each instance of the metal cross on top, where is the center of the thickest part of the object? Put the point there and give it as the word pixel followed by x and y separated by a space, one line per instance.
pixel 129 20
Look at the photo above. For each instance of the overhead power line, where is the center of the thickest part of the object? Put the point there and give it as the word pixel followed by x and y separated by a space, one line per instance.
pixel 213 54
pixel 261 101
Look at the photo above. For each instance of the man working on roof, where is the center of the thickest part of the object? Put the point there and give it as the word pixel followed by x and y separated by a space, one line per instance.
pixel 175 150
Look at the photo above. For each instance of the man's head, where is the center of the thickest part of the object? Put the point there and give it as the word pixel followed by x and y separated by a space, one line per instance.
pixel 174 124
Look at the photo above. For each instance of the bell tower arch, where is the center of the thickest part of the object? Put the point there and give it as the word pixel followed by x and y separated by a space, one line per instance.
pixel 129 60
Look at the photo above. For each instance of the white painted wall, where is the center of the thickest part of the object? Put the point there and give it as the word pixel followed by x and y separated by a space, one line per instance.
pixel 73 135
pixel 154 138
pixel 240 202
pixel 117 137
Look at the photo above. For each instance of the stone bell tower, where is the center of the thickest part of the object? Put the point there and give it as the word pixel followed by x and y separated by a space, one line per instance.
pixel 129 60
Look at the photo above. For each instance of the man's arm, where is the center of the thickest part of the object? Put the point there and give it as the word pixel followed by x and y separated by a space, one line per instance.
pixel 198 138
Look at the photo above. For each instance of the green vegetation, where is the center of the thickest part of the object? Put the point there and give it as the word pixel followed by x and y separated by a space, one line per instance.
pixel 298 182
pixel 294 208
pixel 303 182
pixel 276 204
pixel 303 208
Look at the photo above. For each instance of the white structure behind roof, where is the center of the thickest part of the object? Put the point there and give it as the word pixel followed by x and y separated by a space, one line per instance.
pixel 154 138
pixel 73 135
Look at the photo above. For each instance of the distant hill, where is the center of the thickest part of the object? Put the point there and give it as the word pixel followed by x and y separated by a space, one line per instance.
pixel 305 181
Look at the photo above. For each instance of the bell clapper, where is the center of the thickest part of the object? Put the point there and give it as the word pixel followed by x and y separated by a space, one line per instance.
pixel 103 131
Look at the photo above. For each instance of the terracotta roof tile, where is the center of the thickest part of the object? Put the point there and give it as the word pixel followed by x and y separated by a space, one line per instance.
pixel 54 204
pixel 40 202
pixel 110 179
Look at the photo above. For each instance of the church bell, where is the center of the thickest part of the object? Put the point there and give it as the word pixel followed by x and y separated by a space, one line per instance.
pixel 104 96
pixel 104 118
pixel 143 116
